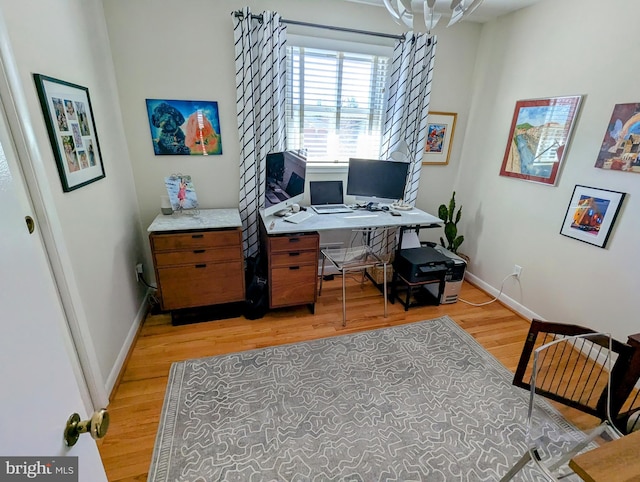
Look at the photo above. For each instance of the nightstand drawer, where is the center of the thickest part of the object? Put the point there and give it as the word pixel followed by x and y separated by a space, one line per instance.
pixel 295 285
pixel 207 239
pixel 194 285
pixel 195 256
pixel 293 258
pixel 294 243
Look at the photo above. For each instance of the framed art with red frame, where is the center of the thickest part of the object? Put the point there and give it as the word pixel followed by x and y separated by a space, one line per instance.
pixel 538 139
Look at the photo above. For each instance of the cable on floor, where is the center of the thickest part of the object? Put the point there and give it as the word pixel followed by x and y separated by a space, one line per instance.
pixel 496 298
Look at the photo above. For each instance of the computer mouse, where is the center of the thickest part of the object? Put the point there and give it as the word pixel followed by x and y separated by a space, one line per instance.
pixel 385 208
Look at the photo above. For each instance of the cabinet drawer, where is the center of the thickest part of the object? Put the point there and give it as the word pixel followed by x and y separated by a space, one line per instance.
pixel 205 239
pixel 293 258
pixel 199 284
pixel 293 243
pixel 196 256
pixel 293 285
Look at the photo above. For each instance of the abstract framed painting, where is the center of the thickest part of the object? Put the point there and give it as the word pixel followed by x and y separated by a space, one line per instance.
pixel 620 148
pixel 441 127
pixel 538 139
pixel 72 131
pixel 591 214
pixel 184 127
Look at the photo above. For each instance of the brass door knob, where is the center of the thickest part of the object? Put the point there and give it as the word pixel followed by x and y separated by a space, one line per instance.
pixel 97 426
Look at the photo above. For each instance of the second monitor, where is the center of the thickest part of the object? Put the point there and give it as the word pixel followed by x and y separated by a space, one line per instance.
pixel 377 180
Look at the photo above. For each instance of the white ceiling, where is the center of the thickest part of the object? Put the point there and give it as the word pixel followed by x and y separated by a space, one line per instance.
pixel 488 10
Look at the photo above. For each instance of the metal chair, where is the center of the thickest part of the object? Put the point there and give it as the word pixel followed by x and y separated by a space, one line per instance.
pixel 580 368
pixel 358 258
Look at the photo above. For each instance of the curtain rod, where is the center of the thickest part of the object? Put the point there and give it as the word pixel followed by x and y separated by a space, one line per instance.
pixel 239 14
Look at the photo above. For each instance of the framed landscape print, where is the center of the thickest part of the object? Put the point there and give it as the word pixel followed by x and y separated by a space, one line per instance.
pixel 591 214
pixel 439 137
pixel 72 131
pixel 621 144
pixel 538 138
pixel 184 127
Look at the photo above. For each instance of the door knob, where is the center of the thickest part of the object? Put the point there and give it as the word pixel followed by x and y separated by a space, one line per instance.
pixel 97 426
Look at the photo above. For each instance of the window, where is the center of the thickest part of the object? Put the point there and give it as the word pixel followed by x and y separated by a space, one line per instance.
pixel 335 103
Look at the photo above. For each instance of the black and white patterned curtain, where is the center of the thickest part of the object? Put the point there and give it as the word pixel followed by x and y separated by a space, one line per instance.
pixel 260 101
pixel 408 104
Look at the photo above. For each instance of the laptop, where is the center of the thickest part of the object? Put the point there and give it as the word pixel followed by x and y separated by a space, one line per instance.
pixel 327 197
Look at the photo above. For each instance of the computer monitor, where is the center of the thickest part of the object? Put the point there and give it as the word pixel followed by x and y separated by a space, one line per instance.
pixel 285 175
pixel 377 180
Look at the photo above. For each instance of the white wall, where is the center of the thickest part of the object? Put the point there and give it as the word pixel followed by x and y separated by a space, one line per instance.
pixel 184 50
pixel 554 49
pixel 67 40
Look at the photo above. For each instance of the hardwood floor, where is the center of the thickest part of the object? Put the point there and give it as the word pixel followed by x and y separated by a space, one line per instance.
pixel 137 402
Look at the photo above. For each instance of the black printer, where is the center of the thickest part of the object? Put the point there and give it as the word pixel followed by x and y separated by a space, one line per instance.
pixel 417 265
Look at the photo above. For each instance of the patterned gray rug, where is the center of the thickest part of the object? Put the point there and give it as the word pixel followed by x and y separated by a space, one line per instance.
pixel 422 401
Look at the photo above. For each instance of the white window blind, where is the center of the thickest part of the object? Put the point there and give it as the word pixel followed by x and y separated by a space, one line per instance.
pixel 335 103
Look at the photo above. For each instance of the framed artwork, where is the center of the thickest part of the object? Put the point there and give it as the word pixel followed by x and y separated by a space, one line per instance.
pixel 621 144
pixel 182 193
pixel 439 137
pixel 538 139
pixel 72 131
pixel 184 127
pixel 591 214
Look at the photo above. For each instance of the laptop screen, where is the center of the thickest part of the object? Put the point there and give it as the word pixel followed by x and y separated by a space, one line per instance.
pixel 325 192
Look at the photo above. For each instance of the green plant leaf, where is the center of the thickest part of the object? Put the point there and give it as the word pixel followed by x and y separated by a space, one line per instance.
pixel 452 206
pixel 450 231
pixel 443 213
pixel 459 215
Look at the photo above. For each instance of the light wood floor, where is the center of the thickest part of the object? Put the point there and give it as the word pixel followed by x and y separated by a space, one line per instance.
pixel 137 402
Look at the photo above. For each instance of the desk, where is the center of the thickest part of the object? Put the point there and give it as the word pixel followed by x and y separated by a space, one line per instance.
pixel 618 461
pixel 292 250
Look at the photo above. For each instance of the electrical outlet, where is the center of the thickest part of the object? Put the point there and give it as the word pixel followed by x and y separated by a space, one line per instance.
pixel 517 270
pixel 139 271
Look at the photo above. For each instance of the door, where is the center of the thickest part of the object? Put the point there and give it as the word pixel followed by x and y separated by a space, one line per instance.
pixel 38 386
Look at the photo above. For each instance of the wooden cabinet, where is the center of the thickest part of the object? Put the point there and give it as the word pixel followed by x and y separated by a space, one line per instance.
pixel 292 268
pixel 198 267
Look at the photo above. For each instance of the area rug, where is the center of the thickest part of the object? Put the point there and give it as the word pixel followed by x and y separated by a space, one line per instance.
pixel 422 401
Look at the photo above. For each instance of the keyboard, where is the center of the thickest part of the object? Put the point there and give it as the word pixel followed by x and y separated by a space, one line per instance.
pixel 331 208
pixel 298 217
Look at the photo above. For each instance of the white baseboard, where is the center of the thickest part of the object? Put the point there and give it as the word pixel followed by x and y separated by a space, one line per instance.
pixel 126 347
pixel 510 302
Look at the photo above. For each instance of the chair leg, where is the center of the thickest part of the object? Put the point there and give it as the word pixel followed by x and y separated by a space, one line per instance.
pixel 524 460
pixel 344 300
pixel 384 288
pixel 322 274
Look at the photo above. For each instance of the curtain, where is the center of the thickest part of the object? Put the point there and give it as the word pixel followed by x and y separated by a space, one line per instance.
pixel 260 101
pixel 408 98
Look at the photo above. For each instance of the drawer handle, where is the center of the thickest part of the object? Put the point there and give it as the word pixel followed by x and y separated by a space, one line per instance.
pixel 294 240
pixel 294 254
pixel 294 267
pixel 198 251
pixel 196 236
pixel 201 265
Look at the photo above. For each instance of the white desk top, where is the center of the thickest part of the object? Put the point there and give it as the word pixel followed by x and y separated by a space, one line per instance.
pixel 356 220
pixel 205 219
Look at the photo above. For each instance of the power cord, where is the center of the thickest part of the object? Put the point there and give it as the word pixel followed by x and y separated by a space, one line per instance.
pixel 498 296
pixel 144 282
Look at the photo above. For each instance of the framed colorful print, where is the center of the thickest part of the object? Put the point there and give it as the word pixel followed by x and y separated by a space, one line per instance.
pixel 591 214
pixel 439 137
pixel 184 127
pixel 72 131
pixel 182 193
pixel 538 139
pixel 621 144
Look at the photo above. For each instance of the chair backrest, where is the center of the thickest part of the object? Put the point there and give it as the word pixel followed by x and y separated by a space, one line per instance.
pixel 575 374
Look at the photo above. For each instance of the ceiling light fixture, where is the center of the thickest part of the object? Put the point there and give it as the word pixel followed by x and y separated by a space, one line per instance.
pixel 404 13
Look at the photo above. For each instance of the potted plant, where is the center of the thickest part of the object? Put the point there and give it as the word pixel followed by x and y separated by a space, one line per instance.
pixel 451 217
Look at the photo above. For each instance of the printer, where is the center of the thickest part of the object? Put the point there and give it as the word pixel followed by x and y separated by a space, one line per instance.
pixel 453 277
pixel 421 265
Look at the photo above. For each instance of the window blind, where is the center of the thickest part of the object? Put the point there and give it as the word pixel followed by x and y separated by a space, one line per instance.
pixel 335 103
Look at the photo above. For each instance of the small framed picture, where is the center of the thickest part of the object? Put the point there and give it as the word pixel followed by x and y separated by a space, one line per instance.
pixel 540 133
pixel 439 138
pixel 591 214
pixel 72 131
